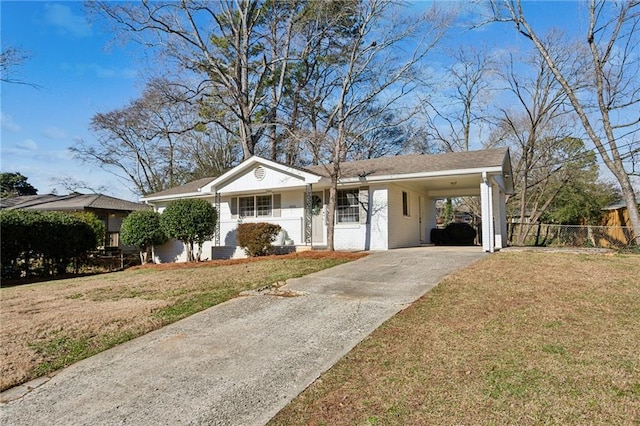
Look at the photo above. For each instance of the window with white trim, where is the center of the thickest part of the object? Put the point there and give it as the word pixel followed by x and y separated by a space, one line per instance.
pixel 256 206
pixel 264 205
pixel 247 206
pixel 348 206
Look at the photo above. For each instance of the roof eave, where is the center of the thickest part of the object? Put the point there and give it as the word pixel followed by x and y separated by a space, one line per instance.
pixel 171 197
pixel 421 175
pixel 307 177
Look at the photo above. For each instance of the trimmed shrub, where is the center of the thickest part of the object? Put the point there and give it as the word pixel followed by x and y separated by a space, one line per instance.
pixel 12 242
pixel 48 241
pixel 141 229
pixel 98 227
pixel 256 238
pixel 192 221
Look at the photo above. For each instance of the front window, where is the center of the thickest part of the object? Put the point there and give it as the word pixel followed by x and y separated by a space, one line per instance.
pixel 263 205
pixel 256 206
pixel 348 209
pixel 247 206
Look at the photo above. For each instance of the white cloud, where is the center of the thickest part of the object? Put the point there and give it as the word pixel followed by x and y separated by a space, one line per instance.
pixel 64 19
pixel 6 121
pixel 27 145
pixel 52 132
pixel 99 71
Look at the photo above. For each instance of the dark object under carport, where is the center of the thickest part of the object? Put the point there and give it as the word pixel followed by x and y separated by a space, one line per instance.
pixel 454 234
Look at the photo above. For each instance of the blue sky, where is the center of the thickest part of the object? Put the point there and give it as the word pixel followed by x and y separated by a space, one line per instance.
pixel 80 73
pixel 78 76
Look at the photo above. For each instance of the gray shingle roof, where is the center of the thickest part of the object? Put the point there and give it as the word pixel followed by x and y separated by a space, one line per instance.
pixel 187 188
pixel 25 200
pixel 383 166
pixel 73 202
pixel 418 163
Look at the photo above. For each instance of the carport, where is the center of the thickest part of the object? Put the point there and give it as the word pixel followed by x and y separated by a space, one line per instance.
pixel 492 186
pixel 487 174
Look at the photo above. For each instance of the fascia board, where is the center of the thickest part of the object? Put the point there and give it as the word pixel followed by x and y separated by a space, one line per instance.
pixel 172 197
pixel 308 178
pixel 470 192
pixel 442 173
pixel 499 180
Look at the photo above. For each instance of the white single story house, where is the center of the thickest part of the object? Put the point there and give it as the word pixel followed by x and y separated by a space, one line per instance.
pixel 382 203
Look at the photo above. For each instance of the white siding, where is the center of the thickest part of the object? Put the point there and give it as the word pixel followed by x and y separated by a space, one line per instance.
pixel 272 179
pixel 291 218
pixel 404 231
pixel 379 228
pixel 371 236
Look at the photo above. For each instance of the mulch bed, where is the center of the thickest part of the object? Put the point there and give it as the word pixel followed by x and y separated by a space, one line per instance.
pixel 310 254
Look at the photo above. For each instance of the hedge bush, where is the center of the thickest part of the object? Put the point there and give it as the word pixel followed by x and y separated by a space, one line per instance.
pixel 256 238
pixel 43 242
pixel 98 227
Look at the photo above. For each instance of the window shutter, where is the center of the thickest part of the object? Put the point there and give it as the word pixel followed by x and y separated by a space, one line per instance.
pixel 233 206
pixel 363 198
pixel 276 205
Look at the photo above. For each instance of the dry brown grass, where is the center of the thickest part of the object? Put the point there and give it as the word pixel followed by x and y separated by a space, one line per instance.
pixel 50 325
pixel 519 338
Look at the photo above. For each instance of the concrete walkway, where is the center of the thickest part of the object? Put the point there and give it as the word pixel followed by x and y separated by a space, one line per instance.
pixel 240 362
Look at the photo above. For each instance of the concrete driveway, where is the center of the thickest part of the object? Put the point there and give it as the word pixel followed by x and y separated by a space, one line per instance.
pixel 240 362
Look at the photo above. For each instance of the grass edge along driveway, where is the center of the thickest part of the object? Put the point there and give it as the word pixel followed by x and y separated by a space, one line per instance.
pixel 48 326
pixel 517 338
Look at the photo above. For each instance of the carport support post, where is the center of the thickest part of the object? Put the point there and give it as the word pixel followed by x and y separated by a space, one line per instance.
pixel 430 221
pixel 499 212
pixel 486 201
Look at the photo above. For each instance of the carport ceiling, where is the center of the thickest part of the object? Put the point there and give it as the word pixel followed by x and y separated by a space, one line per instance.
pixel 447 186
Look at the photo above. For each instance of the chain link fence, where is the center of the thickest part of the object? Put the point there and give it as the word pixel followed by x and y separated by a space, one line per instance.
pixel 547 235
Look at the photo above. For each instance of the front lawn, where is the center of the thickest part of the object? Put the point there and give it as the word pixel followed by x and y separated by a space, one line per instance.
pixel 516 339
pixel 50 325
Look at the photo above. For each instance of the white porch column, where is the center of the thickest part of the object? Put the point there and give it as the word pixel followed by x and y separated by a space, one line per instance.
pixel 486 201
pixel 499 212
pixel 430 218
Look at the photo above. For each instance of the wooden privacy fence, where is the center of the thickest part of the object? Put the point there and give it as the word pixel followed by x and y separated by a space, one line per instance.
pixel 541 234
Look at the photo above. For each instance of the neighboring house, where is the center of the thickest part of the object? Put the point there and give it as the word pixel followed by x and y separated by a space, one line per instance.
pixel 110 210
pixel 382 203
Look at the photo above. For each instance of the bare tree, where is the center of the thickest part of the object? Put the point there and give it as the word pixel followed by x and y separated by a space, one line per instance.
pixel 373 68
pixel 467 93
pixel 223 44
pixel 211 152
pixel 11 59
pixel 282 25
pixel 141 142
pixel 462 109
pixel 608 106
pixel 537 129
pixel 71 185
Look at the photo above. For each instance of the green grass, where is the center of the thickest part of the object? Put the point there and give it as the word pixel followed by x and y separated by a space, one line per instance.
pixel 518 338
pixel 64 351
pixel 192 304
pixel 65 321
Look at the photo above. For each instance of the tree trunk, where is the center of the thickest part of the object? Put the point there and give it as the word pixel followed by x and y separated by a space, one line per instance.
pixel 606 145
pixel 331 214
